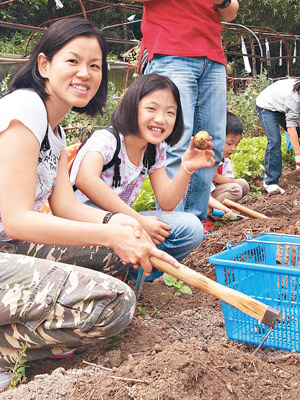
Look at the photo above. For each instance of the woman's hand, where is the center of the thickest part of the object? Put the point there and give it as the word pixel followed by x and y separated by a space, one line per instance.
pixel 297 160
pixel 126 220
pixel 136 250
pixel 195 159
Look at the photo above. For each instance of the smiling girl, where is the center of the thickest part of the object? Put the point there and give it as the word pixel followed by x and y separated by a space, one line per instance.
pixel 52 307
pixel 148 114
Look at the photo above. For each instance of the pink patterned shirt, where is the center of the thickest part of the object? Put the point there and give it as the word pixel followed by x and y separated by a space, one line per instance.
pixel 132 176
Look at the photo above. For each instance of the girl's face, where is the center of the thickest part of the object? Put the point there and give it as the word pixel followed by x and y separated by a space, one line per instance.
pixel 157 115
pixel 231 142
pixel 73 76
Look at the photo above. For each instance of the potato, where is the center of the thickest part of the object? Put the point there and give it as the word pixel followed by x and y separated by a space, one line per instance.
pixel 201 140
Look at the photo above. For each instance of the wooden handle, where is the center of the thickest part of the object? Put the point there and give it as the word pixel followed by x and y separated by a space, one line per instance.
pixel 243 209
pixel 242 302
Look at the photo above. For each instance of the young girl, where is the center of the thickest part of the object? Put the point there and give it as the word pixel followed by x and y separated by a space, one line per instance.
pixel 49 306
pixel 149 112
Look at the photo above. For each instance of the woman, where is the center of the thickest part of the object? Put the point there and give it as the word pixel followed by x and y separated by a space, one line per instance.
pixel 279 105
pixel 51 307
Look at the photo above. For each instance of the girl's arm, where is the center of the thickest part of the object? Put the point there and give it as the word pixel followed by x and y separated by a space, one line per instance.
pixel 89 182
pixel 19 151
pixel 169 194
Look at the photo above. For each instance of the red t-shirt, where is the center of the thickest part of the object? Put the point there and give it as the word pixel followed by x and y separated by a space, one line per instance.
pixel 185 28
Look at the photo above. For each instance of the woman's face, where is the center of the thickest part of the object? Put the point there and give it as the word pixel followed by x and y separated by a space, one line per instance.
pixel 157 115
pixel 73 76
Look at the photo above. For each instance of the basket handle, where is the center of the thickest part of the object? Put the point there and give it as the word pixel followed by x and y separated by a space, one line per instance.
pixel 252 239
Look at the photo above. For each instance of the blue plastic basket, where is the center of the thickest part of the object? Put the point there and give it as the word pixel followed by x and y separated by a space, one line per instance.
pixel 267 268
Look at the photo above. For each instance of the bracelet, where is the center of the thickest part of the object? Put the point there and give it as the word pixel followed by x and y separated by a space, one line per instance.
pixel 107 217
pixel 185 168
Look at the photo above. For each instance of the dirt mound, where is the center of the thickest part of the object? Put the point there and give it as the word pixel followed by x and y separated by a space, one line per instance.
pixel 178 349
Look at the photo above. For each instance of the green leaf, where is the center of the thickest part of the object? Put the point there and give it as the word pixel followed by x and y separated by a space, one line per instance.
pixel 169 280
pixel 186 290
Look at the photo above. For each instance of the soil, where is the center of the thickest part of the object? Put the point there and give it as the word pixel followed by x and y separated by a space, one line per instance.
pixel 178 349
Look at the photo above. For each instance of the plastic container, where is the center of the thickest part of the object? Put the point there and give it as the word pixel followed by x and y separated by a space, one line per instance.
pixel 267 268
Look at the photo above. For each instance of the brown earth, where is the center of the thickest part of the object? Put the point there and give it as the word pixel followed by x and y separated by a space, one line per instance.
pixel 178 349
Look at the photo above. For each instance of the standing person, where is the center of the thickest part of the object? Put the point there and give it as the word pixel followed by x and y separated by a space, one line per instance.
pixel 279 105
pixel 50 307
pixel 183 42
pixel 225 185
pixel 149 113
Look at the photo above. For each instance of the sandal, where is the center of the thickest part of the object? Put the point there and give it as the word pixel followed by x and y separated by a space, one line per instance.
pixel 63 355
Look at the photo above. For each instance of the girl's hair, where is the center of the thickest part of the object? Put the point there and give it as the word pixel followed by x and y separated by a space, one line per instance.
pixel 297 87
pixel 234 124
pixel 125 117
pixel 56 37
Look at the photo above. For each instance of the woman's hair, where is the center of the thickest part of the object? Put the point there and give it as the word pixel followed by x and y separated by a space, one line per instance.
pixel 234 124
pixel 56 37
pixel 297 87
pixel 125 117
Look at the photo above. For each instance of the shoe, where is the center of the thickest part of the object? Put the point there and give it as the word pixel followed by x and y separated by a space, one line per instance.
pixel 63 355
pixel 5 380
pixel 208 225
pixel 273 188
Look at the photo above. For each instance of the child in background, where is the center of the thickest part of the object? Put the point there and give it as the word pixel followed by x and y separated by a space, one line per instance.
pixel 225 186
pixel 149 112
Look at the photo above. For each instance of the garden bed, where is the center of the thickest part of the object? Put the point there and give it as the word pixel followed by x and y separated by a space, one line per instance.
pixel 178 349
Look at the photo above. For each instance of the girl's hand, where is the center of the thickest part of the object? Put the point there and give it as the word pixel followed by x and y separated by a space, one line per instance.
pixel 196 159
pixel 228 212
pixel 137 251
pixel 157 230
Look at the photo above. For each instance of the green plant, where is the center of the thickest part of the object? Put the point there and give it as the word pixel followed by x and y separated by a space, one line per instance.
pixel 248 159
pixel 145 199
pixel 179 286
pixel 242 103
pixel 19 369
pixel 5 83
pixel 142 312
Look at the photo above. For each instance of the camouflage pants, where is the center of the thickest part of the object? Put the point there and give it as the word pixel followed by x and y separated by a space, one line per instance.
pixel 93 257
pixel 52 307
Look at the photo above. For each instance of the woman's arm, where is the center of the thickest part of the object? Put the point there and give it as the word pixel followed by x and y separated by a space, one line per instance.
pixel 89 182
pixel 19 151
pixel 169 194
pixel 294 139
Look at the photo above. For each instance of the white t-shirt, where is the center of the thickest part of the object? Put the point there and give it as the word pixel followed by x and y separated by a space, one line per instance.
pixel 224 169
pixel 27 107
pixel 281 97
pixel 132 176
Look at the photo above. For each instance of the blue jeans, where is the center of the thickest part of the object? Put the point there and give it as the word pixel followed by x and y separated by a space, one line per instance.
pixel 185 236
pixel 202 87
pixel 270 121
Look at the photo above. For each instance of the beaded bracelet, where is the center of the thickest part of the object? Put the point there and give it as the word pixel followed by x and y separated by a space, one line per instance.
pixel 185 168
pixel 107 217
